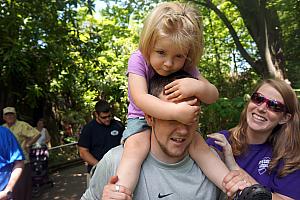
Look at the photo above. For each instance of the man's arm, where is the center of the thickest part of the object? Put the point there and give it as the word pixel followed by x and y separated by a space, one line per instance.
pixel 31 134
pixel 15 175
pixel 31 141
pixel 87 156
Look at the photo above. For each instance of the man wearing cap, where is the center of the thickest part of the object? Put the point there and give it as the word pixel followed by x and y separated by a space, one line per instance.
pixel 26 136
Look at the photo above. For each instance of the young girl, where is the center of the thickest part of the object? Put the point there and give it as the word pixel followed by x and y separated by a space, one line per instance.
pixel 171 39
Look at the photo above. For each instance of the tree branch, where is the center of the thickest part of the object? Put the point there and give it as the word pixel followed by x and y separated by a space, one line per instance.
pixel 244 53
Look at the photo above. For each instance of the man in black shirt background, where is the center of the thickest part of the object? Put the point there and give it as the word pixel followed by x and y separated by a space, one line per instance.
pixel 99 135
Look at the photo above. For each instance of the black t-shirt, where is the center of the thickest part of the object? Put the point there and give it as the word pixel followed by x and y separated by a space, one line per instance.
pixel 99 138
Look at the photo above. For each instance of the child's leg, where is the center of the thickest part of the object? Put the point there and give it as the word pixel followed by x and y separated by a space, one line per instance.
pixel 136 149
pixel 210 164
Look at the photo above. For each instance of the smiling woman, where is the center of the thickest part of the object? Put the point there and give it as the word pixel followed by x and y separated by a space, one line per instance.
pixel 266 142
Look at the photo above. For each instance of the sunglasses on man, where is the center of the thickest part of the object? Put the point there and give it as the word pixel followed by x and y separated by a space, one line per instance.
pixel 104 117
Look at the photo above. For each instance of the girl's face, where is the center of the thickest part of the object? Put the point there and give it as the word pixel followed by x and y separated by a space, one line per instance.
pixel 165 58
pixel 262 120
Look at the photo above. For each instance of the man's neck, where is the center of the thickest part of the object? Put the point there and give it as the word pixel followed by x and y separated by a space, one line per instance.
pixel 11 124
pixel 168 160
pixel 163 156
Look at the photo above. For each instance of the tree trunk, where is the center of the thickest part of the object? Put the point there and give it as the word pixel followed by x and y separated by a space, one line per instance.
pixel 264 27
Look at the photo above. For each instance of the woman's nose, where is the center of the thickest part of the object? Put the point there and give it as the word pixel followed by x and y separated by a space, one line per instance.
pixel 263 107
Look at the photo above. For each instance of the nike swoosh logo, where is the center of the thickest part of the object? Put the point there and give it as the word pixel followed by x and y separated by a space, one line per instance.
pixel 163 195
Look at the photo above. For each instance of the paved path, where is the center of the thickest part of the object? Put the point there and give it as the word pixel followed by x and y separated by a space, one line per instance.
pixel 69 184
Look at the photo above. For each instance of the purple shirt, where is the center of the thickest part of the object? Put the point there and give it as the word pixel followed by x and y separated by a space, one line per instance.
pixel 256 161
pixel 138 65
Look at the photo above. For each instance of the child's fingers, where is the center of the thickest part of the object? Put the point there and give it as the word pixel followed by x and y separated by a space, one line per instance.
pixel 170 91
pixel 193 102
pixel 175 96
pixel 171 85
pixel 170 88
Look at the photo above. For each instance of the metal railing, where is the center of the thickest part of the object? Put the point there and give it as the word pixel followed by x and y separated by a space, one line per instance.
pixel 63 145
pixel 63 156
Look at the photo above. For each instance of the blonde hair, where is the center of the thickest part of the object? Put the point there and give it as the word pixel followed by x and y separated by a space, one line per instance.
pixel 179 22
pixel 285 138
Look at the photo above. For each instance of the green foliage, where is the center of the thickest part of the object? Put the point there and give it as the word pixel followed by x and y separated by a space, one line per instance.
pixel 57 59
pixel 289 12
pixel 223 114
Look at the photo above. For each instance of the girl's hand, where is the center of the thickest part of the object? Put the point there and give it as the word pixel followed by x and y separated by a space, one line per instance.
pixel 113 191
pixel 181 89
pixel 187 112
pixel 221 140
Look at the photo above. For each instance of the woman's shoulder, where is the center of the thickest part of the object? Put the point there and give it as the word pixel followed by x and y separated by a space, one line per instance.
pixel 287 185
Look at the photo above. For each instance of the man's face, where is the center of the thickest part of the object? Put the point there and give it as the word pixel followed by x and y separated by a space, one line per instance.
pixel 10 118
pixel 170 139
pixel 103 118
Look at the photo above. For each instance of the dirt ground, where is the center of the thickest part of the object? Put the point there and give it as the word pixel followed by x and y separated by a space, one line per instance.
pixel 68 184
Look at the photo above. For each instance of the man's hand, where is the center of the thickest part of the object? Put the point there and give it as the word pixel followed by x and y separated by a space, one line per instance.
pixel 113 191
pixel 234 181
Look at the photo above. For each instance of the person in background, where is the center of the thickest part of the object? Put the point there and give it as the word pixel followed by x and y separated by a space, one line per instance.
pixel 45 137
pixel 99 135
pixel 11 163
pixel 266 142
pixel 26 136
pixel 67 132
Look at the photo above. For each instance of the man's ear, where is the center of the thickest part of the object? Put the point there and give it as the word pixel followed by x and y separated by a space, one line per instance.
pixel 285 118
pixel 149 119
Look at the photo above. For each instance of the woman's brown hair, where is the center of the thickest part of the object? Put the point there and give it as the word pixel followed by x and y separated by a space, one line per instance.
pixel 284 138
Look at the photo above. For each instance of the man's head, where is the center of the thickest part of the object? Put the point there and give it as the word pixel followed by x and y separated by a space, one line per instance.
pixel 102 112
pixel 170 139
pixel 9 115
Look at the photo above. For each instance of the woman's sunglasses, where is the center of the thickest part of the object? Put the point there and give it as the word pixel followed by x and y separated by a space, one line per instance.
pixel 272 104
